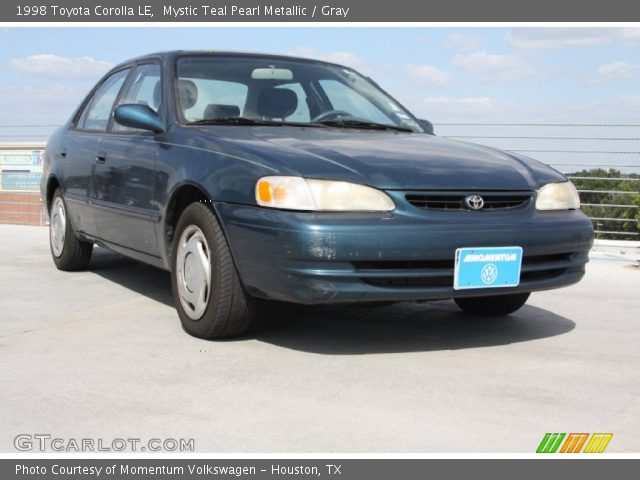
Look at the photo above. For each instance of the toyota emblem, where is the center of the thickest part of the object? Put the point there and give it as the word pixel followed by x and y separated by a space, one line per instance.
pixel 474 202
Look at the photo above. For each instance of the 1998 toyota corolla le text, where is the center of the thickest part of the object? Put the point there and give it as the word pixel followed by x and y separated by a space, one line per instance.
pixel 266 177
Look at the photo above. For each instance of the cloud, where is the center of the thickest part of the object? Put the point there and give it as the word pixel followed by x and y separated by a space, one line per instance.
pixel 614 71
pixel 448 108
pixel 613 110
pixel 463 41
pixel 618 70
pixel 482 103
pixel 564 37
pixel 348 59
pixel 427 75
pixel 54 66
pixel 485 109
pixel 33 104
pixel 494 67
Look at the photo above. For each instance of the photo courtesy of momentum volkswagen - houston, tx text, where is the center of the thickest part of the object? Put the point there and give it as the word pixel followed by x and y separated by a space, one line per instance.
pixel 255 177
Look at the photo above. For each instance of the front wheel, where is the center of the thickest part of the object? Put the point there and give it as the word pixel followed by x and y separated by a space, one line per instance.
pixel 498 306
pixel 210 299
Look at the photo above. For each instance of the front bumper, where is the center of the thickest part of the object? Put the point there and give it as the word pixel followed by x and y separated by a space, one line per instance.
pixel 315 258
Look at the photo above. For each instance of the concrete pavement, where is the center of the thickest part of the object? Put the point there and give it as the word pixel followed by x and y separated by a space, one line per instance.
pixel 101 354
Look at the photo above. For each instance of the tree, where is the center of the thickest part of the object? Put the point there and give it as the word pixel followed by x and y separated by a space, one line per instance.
pixel 602 194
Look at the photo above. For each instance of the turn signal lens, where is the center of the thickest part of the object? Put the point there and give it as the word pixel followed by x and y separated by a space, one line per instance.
pixel 264 192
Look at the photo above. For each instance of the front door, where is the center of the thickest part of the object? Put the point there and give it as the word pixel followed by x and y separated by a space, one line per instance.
pixel 124 176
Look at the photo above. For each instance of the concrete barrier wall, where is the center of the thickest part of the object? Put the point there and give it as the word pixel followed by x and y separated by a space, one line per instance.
pixel 24 208
pixel 20 174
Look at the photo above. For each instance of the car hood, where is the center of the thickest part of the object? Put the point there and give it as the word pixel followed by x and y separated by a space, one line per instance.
pixel 385 159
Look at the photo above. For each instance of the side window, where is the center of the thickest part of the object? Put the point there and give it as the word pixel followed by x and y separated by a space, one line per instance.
pixel 302 112
pixel 344 98
pixel 144 89
pixel 98 111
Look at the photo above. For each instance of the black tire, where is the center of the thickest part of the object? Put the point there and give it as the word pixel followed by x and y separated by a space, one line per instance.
pixel 499 305
pixel 71 253
pixel 229 309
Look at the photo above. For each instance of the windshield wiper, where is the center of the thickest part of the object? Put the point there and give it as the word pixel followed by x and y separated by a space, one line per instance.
pixel 353 123
pixel 251 121
pixel 344 123
pixel 235 121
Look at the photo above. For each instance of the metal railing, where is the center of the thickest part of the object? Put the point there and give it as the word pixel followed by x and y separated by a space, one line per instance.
pixel 613 210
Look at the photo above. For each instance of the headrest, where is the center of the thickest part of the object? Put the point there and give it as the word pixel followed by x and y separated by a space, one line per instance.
pixel 216 111
pixel 277 102
pixel 188 94
pixel 157 95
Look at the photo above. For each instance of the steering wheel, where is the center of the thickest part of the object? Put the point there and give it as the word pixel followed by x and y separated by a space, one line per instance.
pixel 330 115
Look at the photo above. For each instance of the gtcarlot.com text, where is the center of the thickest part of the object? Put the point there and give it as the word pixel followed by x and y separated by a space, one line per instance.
pixel 44 442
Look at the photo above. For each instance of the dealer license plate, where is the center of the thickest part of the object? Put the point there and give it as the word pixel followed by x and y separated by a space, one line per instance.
pixel 487 267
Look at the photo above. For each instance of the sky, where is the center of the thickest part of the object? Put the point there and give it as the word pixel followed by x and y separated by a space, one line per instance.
pixel 447 75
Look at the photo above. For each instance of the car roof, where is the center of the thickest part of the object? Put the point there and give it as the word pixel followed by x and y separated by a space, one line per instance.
pixel 170 55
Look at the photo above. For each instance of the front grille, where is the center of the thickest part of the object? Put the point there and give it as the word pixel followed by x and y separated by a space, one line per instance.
pixel 447 281
pixel 402 264
pixel 456 201
pixel 439 273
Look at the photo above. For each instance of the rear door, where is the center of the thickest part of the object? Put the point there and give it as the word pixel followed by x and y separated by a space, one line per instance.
pixel 79 147
pixel 124 176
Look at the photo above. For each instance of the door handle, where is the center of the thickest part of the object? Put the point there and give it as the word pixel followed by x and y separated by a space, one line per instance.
pixel 101 157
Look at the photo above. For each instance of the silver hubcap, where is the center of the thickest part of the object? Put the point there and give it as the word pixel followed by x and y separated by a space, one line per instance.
pixel 58 226
pixel 193 272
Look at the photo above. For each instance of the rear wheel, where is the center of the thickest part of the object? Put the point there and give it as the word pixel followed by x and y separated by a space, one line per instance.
pixel 498 305
pixel 68 251
pixel 210 299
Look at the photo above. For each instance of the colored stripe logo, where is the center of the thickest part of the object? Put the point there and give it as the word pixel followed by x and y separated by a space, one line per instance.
pixel 550 443
pixel 573 443
pixel 598 442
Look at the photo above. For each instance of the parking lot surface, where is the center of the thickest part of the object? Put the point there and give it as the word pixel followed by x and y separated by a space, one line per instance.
pixel 101 354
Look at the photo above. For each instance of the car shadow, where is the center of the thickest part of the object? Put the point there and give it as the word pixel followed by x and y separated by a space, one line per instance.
pixel 402 327
pixel 353 329
pixel 139 277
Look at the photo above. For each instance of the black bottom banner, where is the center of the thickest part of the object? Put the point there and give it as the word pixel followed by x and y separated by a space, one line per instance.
pixel 343 469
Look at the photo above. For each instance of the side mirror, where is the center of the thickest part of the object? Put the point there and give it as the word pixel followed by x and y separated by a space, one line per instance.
pixel 138 116
pixel 426 125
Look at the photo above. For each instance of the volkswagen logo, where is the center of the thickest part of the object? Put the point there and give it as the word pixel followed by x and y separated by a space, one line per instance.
pixel 474 202
pixel 489 273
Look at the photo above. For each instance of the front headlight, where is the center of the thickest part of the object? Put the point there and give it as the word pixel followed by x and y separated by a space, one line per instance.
pixel 558 196
pixel 297 193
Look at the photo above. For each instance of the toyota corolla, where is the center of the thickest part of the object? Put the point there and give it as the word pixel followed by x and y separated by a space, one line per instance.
pixel 260 177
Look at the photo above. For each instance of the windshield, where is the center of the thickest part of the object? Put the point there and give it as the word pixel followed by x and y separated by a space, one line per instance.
pixel 245 90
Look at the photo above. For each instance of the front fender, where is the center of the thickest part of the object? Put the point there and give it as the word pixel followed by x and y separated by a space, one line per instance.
pixel 224 173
